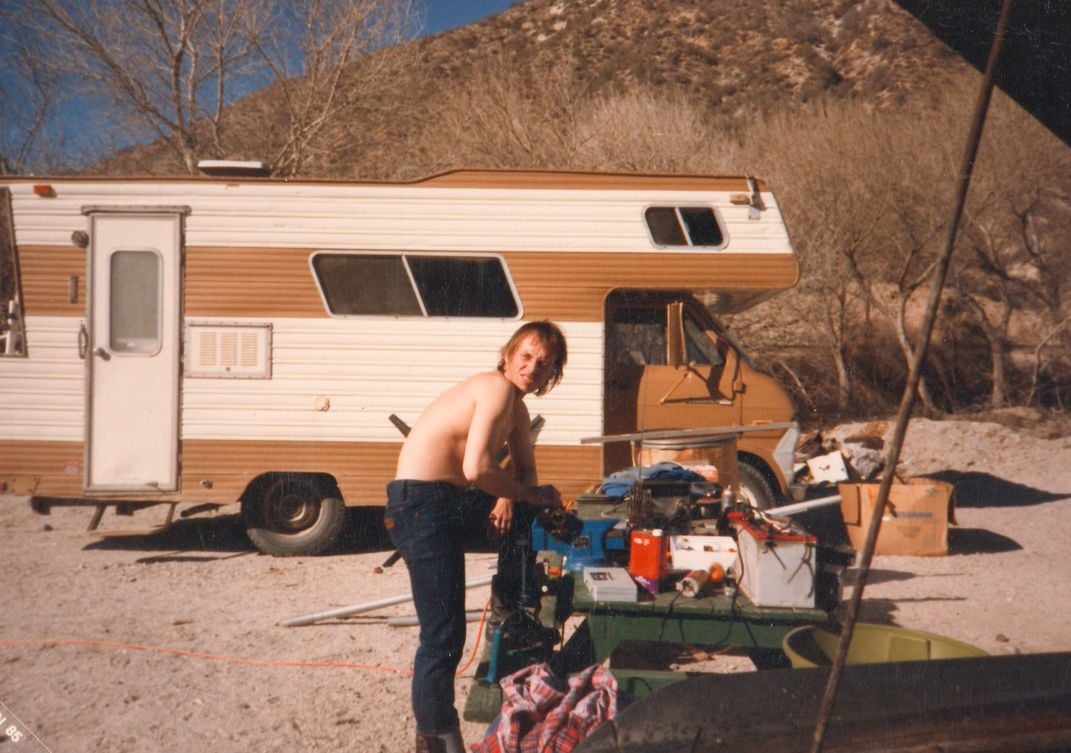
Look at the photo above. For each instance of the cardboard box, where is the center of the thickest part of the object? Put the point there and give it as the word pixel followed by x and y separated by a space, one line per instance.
pixel 916 517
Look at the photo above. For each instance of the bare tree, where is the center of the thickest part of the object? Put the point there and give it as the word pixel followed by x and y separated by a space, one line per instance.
pixel 1013 278
pixel 503 117
pixel 168 69
pixel 310 47
pixel 28 98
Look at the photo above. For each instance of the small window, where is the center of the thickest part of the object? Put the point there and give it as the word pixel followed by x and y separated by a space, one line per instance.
pixel 134 306
pixel 415 285
pixel 684 226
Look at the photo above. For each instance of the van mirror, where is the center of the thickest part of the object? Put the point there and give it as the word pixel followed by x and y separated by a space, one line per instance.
pixel 675 355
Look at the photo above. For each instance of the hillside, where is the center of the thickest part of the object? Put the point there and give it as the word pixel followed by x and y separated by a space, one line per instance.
pixel 732 62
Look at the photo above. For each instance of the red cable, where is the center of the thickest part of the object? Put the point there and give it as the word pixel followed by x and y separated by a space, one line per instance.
pixel 198 654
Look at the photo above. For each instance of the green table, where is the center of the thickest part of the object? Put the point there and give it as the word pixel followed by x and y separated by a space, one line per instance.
pixel 715 621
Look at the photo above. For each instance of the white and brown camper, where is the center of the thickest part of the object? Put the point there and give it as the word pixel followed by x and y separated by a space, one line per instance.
pixel 210 340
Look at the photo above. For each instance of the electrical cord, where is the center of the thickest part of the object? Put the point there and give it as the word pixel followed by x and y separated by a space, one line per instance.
pixel 195 654
pixel 167 650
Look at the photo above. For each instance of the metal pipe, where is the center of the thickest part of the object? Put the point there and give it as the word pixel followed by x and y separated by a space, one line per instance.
pixel 409 620
pixel 308 619
pixel 810 504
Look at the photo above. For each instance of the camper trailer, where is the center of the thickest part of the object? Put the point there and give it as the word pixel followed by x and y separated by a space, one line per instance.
pixel 218 340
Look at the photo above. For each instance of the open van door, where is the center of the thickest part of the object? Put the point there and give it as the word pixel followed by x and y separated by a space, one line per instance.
pixel 132 349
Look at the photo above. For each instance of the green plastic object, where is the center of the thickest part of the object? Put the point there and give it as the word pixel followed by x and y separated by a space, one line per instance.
pixel 814 646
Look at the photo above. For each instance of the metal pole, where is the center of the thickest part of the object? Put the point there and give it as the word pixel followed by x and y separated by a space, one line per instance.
pixel 908 399
pixel 368 606
pixel 810 504
pixel 409 620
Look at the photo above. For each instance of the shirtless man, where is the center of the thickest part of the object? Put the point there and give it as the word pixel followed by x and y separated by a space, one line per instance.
pixel 452 446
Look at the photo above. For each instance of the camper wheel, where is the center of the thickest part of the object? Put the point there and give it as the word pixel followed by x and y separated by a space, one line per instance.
pixel 755 489
pixel 291 516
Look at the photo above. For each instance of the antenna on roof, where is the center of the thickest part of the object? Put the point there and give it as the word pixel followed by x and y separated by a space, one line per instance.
pixel 234 168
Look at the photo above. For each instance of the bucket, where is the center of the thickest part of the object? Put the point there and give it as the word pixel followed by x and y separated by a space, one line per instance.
pixel 813 646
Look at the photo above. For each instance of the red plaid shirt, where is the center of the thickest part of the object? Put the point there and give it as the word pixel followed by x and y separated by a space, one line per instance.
pixel 543 714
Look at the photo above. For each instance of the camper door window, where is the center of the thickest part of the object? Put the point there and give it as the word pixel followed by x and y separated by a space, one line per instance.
pixel 134 306
pixel 415 285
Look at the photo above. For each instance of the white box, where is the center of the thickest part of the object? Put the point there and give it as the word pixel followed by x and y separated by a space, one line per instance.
pixel 610 584
pixel 828 468
pixel 702 552
pixel 777 567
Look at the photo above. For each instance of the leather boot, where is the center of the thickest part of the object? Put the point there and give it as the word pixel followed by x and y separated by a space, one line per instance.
pixel 447 742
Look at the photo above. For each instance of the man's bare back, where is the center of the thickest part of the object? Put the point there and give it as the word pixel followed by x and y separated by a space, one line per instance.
pixel 458 437
pixel 435 447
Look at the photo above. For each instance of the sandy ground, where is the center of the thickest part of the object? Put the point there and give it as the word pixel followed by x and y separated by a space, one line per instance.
pixel 170 641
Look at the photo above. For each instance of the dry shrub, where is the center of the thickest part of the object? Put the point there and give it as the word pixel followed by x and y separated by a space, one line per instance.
pixel 504 120
pixel 646 131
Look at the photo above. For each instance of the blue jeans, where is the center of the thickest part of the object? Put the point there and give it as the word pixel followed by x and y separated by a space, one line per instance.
pixel 426 523
pixel 431 523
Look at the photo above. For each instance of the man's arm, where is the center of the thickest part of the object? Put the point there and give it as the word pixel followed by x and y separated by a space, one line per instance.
pixel 496 418
pixel 492 413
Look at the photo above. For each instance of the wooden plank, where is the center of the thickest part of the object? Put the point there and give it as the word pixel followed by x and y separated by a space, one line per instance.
pixel 995 703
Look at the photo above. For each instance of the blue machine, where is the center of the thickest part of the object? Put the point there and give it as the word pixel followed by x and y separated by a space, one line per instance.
pixel 593 543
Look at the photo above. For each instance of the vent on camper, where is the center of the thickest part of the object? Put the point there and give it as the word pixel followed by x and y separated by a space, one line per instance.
pixel 234 168
pixel 223 350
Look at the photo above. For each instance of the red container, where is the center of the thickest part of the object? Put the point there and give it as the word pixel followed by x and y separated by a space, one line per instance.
pixel 648 554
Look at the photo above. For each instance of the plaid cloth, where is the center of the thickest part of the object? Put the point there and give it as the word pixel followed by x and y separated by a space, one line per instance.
pixel 543 714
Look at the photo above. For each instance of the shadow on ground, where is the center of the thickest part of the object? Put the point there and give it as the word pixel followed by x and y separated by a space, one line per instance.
pixel 979 489
pixel 364 532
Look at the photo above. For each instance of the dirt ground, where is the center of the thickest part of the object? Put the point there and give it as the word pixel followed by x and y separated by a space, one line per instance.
pixel 170 641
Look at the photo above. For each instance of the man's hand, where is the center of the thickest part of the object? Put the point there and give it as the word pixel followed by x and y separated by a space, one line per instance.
pixel 501 516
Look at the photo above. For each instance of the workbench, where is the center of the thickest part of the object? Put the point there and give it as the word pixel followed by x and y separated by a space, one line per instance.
pixel 717 620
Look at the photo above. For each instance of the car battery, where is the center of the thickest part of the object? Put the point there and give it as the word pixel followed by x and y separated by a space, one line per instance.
pixel 777 566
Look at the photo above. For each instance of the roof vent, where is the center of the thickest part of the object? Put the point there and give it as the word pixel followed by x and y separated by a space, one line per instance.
pixel 227 168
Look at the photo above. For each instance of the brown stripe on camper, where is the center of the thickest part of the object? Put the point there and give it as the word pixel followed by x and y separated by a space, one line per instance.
pixel 562 180
pixel 250 282
pixel 45 468
pixel 574 286
pixel 570 286
pixel 221 469
pixel 46 273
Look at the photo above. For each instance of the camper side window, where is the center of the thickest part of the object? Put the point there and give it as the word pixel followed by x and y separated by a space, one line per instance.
pixel 414 285
pixel 684 226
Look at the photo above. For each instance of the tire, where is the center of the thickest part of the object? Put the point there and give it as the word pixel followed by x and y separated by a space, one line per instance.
pixel 755 489
pixel 293 517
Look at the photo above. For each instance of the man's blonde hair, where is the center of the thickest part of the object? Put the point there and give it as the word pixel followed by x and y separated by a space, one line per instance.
pixel 550 336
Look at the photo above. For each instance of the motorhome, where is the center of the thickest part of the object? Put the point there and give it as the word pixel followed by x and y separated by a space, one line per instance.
pixel 210 341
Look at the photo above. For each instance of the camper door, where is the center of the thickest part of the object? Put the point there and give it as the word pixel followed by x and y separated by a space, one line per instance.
pixel 132 361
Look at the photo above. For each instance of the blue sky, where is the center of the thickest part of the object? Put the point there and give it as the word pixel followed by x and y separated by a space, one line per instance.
pixel 77 121
pixel 446 14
